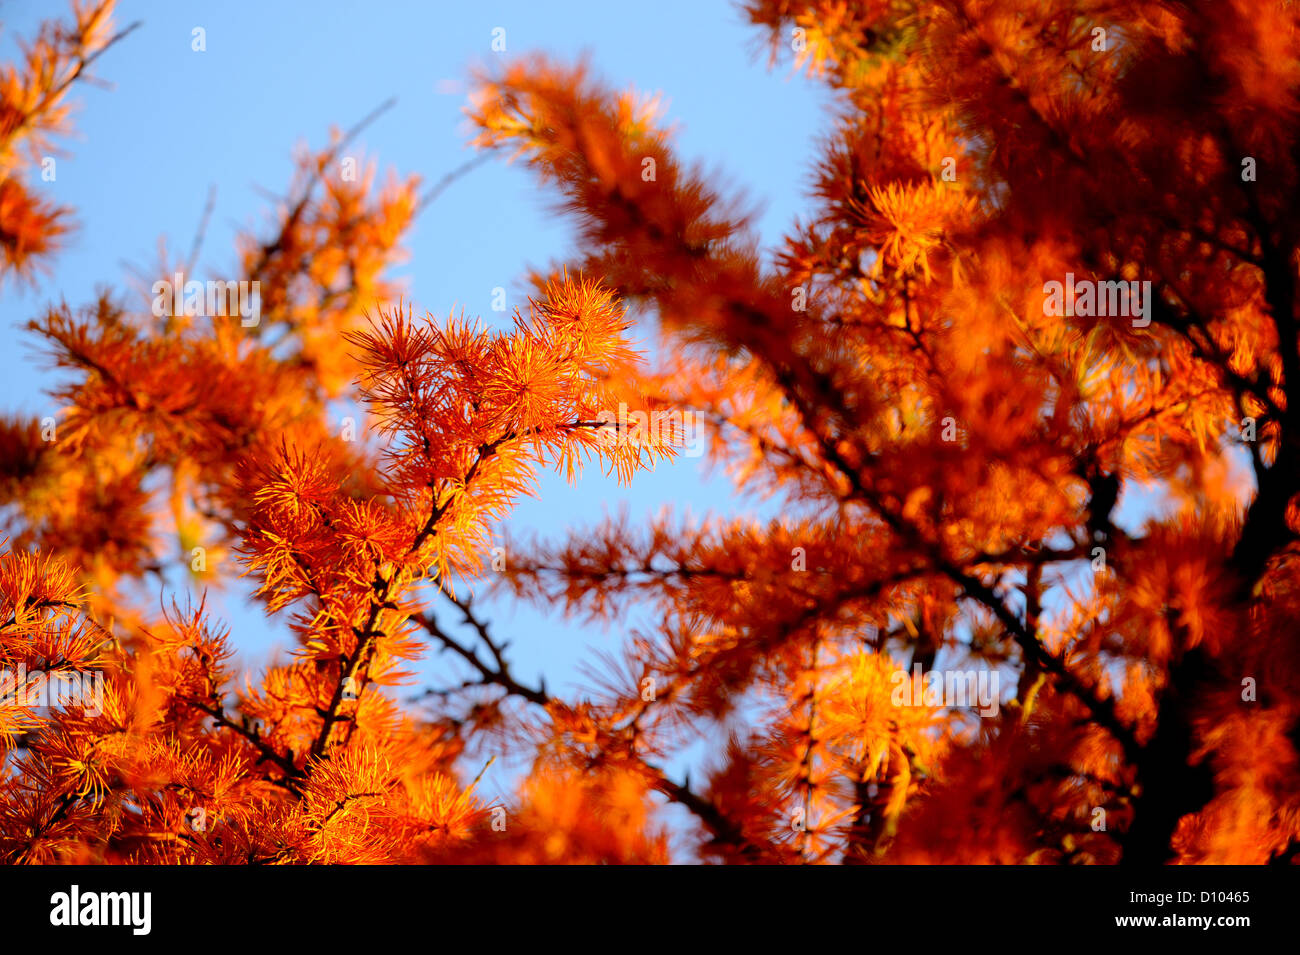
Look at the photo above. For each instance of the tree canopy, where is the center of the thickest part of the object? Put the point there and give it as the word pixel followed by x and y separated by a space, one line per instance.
pixel 1049 261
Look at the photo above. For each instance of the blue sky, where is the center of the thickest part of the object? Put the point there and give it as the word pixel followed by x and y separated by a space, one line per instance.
pixel 176 122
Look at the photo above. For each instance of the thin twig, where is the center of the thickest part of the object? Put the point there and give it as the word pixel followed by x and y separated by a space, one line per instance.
pixel 438 187
pixel 193 260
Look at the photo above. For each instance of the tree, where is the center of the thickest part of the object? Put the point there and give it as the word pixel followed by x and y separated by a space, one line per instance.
pixel 1052 261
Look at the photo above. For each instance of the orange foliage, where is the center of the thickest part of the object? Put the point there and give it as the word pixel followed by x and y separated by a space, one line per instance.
pixel 947 649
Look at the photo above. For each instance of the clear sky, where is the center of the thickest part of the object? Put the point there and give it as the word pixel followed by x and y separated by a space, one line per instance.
pixel 176 122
